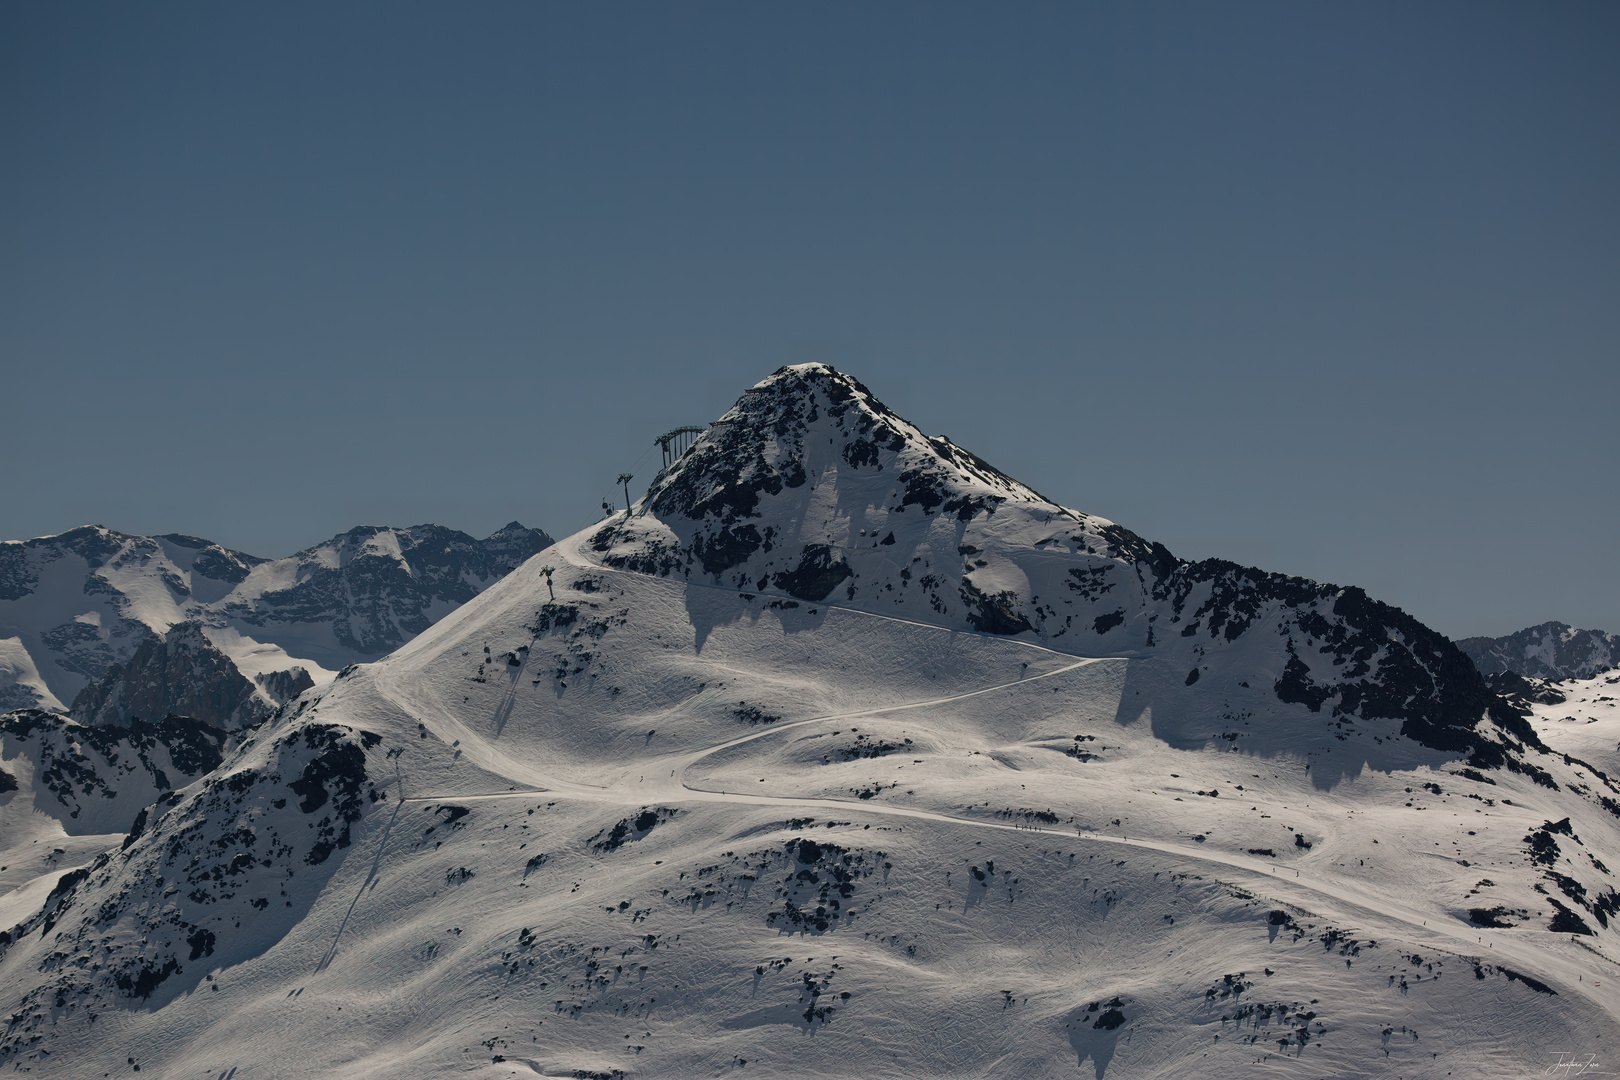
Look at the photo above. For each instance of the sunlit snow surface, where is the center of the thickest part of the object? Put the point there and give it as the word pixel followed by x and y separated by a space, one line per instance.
pixel 659 825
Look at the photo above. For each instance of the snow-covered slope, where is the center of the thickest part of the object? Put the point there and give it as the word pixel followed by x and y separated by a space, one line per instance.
pixel 1552 650
pixel 73 605
pixel 73 790
pixel 1582 717
pixel 727 788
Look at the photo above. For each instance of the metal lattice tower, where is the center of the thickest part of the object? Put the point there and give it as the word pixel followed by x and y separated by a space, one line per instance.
pixel 676 443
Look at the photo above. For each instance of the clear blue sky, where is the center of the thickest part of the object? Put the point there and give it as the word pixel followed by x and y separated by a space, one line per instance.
pixel 1332 289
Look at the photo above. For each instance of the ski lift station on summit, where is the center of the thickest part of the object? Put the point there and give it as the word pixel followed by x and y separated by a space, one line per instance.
pixel 677 442
pixel 675 445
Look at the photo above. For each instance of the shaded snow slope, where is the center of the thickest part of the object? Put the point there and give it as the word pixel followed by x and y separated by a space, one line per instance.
pixel 639 817
pixel 1552 650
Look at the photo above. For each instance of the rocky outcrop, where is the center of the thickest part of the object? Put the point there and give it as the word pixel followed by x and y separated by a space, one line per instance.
pixel 195 867
pixel 96 779
pixel 179 673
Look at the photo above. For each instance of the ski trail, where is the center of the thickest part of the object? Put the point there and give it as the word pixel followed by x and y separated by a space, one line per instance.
pixel 479 751
pixel 371 876
pixel 1259 877
pixel 1371 912
pixel 576 557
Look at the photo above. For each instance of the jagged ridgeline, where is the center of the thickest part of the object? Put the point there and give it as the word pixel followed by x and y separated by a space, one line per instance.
pixel 810 488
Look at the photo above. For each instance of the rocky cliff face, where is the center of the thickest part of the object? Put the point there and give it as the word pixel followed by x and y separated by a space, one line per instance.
pixel 180 673
pixel 1553 650
pixel 221 852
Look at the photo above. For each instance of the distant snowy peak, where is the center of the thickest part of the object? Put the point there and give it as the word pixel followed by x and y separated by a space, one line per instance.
pixel 181 557
pixel 810 488
pixel 75 604
pixel 1553 650
pixel 375 588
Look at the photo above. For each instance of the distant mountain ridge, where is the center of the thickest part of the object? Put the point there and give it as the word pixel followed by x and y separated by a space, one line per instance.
pixel 1552 650
pixel 74 605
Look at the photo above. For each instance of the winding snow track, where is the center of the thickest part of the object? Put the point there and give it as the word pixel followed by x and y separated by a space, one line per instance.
pixel 1358 908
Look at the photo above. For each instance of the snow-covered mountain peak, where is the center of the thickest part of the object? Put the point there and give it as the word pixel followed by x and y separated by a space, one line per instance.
pixel 813 487
pixel 807 422
pixel 811 490
pixel 752 778
pixel 1552 650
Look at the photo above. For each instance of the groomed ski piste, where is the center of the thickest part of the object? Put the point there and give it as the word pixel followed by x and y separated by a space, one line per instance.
pixel 621 815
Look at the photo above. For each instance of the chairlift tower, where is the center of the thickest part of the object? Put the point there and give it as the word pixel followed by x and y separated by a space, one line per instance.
pixel 676 443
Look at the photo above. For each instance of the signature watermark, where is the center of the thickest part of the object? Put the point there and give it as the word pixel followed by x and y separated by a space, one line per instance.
pixel 1573 1064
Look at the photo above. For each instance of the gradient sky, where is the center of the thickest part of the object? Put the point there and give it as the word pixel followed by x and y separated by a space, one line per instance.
pixel 1331 289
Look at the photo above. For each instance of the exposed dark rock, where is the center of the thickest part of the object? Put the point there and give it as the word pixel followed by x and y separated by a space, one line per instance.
pixel 629 829
pixel 1491 917
pixel 178 673
pixel 282 686
pixel 102 775
pixel 1523 692
pixel 197 866
pixel 1109 1020
pixel 993 614
pixel 816 576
